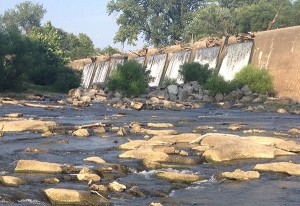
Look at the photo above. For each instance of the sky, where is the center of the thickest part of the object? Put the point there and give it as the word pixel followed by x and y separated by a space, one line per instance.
pixel 79 16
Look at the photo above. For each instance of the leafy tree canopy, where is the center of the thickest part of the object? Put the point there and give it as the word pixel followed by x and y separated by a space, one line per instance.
pixel 25 16
pixel 162 22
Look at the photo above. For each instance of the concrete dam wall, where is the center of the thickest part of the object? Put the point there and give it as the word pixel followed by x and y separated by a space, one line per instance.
pixel 278 51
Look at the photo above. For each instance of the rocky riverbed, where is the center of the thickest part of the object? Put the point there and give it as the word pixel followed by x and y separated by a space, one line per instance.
pixel 54 153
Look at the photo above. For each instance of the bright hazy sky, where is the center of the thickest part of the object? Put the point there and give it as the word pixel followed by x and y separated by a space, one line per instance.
pixel 79 16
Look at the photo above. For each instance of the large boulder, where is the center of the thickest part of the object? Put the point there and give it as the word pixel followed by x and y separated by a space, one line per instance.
pixel 283 167
pixel 172 89
pixel 11 181
pixel 26 125
pixel 179 177
pixel 59 196
pixel 240 175
pixel 33 166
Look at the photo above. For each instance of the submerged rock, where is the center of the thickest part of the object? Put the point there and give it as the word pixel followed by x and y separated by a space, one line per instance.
pixel 283 167
pixel 59 196
pixel 179 177
pixel 11 181
pixel 240 175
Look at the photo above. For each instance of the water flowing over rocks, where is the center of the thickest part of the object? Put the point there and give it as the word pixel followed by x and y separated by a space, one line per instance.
pixel 161 157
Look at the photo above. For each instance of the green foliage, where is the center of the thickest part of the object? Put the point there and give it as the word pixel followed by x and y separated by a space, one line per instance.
pixel 211 20
pixel 131 78
pixel 66 79
pixel 258 80
pixel 108 51
pixel 161 22
pixel 25 16
pixel 195 72
pixel 217 84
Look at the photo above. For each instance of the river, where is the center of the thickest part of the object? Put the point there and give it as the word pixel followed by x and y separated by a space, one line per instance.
pixel 270 189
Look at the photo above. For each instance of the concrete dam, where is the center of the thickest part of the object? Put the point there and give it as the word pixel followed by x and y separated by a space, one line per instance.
pixel 278 51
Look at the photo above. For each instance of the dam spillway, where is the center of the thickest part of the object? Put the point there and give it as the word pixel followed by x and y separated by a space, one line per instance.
pixel 156 66
pixel 177 60
pixel 208 56
pixel 236 57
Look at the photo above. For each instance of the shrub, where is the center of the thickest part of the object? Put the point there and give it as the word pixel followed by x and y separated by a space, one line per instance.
pixel 258 80
pixel 67 79
pixel 195 72
pixel 169 81
pixel 217 84
pixel 131 78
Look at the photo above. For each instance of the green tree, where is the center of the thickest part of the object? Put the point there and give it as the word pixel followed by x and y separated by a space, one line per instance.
pixel 52 39
pixel 211 20
pixel 265 14
pixel 160 22
pixel 108 50
pixel 25 16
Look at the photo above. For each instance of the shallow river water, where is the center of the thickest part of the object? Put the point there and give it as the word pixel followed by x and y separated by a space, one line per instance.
pixel 270 189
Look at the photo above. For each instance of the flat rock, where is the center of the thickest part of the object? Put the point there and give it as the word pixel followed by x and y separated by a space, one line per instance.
pixel 180 138
pixel 81 133
pixel 88 177
pixel 294 131
pixel 97 160
pixel 240 175
pixel 14 115
pixel 225 147
pixel 52 180
pixel 59 196
pixel 179 177
pixel 33 166
pixel 135 144
pixel 283 167
pixel 117 187
pixel 26 125
pixel 142 153
pixel 160 125
pixel 11 181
